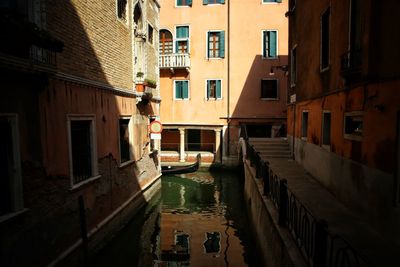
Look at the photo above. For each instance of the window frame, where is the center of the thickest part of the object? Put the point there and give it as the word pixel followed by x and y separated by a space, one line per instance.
pixel 304 126
pixel 274 2
pixel 175 39
pixel 277 90
pixel 327 146
pixel 293 67
pixel 149 25
pixel 350 136
pixel 186 5
pixel 206 90
pixel 322 67
pixel 17 197
pixel 219 48
pixel 213 4
pixel 263 44
pixel 125 18
pixel 130 138
pixel 174 88
pixel 93 142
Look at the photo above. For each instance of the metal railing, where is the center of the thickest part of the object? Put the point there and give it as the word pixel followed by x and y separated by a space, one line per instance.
pixel 320 247
pixel 174 61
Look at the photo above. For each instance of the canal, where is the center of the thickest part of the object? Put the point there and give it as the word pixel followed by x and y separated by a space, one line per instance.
pixel 197 219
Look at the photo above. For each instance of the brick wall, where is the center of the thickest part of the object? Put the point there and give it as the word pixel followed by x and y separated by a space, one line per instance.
pixel 97 45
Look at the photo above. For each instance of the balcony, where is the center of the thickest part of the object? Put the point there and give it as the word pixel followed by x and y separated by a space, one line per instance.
pixel 175 61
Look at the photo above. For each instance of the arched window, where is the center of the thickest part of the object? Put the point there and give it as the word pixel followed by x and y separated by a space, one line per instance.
pixel 165 42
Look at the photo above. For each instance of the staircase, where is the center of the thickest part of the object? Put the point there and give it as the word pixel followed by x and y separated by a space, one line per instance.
pixel 271 147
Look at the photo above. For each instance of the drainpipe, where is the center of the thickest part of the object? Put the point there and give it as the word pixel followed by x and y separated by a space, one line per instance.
pixel 228 75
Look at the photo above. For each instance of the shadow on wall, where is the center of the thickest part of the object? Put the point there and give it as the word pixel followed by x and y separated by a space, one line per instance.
pixel 51 108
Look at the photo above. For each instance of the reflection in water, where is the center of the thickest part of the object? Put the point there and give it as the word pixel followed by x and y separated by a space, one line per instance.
pixel 200 220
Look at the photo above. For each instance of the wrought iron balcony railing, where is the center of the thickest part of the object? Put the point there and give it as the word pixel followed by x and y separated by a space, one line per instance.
pixel 175 61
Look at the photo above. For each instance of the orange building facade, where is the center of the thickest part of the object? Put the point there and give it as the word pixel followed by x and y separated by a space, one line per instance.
pixel 215 63
pixel 343 120
pixel 74 124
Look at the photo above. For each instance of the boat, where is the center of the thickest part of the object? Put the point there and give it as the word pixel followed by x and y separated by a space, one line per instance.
pixel 182 169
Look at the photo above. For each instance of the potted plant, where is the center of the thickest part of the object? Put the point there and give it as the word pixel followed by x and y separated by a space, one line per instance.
pixel 150 83
pixel 140 86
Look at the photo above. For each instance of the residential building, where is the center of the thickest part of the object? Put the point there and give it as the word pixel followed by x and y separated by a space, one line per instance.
pixel 215 62
pixel 343 121
pixel 74 116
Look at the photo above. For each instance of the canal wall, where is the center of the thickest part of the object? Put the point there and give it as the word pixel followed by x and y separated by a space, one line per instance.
pixel 276 245
pixel 104 231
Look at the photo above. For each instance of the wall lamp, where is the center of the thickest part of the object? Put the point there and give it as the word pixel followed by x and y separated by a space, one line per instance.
pixel 284 68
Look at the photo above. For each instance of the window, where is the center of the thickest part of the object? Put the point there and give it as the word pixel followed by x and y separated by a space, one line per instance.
pixel 293 67
pixel 150 32
pixel 182 39
pixel 121 9
pixel 269 89
pixel 82 146
pixel 270 40
pixel 353 124
pixel 326 128
pixel 165 42
pixel 183 2
pixel 210 2
pixel 10 167
pixel 181 89
pixel 325 39
pixel 213 89
pixel 272 1
pixel 216 44
pixel 304 124
pixel 124 140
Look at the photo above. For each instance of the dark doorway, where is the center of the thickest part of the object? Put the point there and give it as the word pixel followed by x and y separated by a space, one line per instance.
pixel 193 139
pixel 259 130
pixel 6 165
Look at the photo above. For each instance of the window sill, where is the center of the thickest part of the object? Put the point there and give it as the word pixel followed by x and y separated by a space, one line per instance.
pixel 324 69
pixel 353 137
pixel 11 215
pixel 123 22
pixel 182 6
pixel 213 99
pixel 270 58
pixel 182 99
pixel 126 163
pixel 269 99
pixel 269 3
pixel 215 58
pixel 88 181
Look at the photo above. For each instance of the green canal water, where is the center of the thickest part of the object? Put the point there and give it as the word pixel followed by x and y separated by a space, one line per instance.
pixel 197 219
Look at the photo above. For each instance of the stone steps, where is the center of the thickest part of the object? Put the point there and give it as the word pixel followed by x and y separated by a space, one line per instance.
pixel 271 147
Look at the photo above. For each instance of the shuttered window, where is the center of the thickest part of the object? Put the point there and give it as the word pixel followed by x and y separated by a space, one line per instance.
pixel 216 44
pixel 270 40
pixel 214 90
pixel 182 39
pixel 183 2
pixel 181 89
pixel 210 2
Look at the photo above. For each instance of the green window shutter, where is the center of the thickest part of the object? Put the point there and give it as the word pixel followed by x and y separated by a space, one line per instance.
pixel 265 38
pixel 178 89
pixel 279 1
pixel 222 44
pixel 179 2
pixel 185 89
pixel 208 45
pixel 218 89
pixel 208 88
pixel 205 2
pixel 222 1
pixel 176 47
pixel 182 32
pixel 272 43
pixel 189 2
